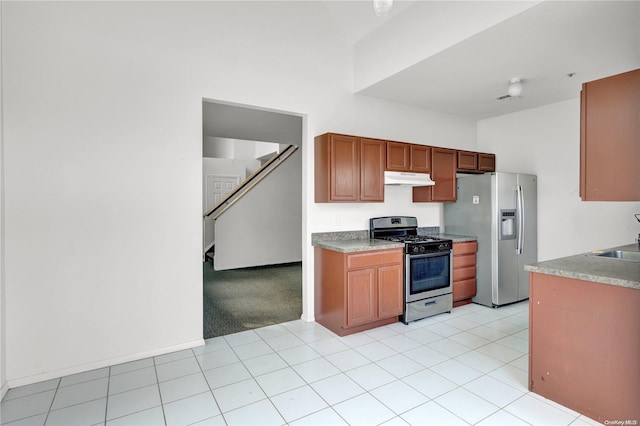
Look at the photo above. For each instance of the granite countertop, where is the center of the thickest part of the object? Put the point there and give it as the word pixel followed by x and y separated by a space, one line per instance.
pixel 589 267
pixel 355 241
pixel 455 238
pixel 352 246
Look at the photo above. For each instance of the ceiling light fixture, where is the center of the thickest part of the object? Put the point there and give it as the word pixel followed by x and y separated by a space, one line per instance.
pixel 515 87
pixel 382 7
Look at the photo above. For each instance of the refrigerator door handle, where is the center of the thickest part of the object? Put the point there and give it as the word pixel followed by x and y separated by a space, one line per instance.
pixel 520 201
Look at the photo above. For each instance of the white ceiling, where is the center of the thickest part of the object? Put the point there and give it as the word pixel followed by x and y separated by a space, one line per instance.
pixel 542 45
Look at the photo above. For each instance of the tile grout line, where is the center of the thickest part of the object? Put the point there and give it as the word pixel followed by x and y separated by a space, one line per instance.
pixel 106 405
pixel 208 385
pixel 155 369
pixel 52 399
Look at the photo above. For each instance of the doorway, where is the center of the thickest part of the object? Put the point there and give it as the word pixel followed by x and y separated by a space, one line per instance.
pixel 256 247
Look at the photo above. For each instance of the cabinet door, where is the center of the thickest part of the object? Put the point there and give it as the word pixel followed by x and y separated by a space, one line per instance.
pixel 420 159
pixel 467 160
pixel 344 168
pixel 609 135
pixel 390 290
pixel 398 155
pixel 372 162
pixel 486 162
pixel 443 165
pixel 443 172
pixel 361 299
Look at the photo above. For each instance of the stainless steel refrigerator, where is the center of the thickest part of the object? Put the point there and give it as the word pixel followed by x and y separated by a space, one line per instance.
pixel 500 209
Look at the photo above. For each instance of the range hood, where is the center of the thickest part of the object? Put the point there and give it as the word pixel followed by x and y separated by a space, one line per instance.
pixel 407 178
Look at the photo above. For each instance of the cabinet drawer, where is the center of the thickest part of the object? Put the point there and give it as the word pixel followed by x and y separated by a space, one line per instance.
pixel 464 260
pixel 465 248
pixel 460 274
pixel 361 260
pixel 464 289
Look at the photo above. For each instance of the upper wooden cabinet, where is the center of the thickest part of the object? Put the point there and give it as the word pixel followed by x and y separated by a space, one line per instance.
pixel 443 171
pixel 405 157
pixel 420 159
pixel 486 162
pixel 372 159
pixel 467 161
pixel 398 156
pixel 476 162
pixel 610 138
pixel 349 169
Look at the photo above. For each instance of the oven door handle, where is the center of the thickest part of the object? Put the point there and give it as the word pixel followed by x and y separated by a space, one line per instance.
pixel 426 255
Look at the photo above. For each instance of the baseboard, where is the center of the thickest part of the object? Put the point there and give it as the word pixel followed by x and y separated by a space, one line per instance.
pixel 99 364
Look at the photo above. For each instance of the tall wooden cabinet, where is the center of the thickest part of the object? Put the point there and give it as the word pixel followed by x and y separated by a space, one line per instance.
pixel 610 138
pixel 349 169
pixel 444 163
pixel 358 291
pixel 464 272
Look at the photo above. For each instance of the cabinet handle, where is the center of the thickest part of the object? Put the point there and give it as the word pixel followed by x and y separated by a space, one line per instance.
pixel 433 302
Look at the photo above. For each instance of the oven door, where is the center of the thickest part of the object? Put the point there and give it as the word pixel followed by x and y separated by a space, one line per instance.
pixel 427 275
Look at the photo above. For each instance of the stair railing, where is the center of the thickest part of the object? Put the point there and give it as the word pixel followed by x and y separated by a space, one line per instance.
pixel 246 186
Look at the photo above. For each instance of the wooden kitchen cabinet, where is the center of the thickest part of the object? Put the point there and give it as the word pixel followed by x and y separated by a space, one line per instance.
pixel 476 162
pixel 358 291
pixel 372 160
pixel 405 157
pixel 467 161
pixel 398 156
pixel 609 138
pixel 464 272
pixel 486 162
pixel 583 346
pixel 443 171
pixel 349 169
pixel 420 159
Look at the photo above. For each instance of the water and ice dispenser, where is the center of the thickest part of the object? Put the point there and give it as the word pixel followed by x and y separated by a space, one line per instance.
pixel 508 224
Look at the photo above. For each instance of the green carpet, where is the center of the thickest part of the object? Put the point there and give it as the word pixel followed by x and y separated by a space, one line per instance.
pixel 244 299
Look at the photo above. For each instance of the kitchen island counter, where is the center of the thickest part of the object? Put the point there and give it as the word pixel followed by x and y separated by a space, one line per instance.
pixel 593 268
pixel 584 320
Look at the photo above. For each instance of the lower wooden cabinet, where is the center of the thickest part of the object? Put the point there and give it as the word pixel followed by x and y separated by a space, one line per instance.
pixel 464 272
pixel 358 291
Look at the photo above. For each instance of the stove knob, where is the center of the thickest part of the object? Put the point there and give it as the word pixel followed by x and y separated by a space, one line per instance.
pixel 442 246
pixel 422 249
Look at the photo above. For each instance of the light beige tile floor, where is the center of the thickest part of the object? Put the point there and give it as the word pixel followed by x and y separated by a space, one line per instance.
pixel 467 367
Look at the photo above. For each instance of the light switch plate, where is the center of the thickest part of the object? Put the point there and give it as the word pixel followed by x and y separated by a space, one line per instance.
pixel 476 199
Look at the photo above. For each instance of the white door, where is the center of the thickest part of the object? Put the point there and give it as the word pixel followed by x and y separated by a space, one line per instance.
pixel 217 187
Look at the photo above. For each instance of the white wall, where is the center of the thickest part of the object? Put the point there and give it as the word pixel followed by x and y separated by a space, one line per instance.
pixel 546 141
pixel 3 345
pixel 102 245
pixel 265 226
pixel 223 167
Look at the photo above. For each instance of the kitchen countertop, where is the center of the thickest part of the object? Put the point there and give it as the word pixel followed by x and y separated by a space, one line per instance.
pixel 352 246
pixel 366 244
pixel 589 267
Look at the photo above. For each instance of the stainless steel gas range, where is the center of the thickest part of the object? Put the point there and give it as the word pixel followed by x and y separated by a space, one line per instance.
pixel 427 267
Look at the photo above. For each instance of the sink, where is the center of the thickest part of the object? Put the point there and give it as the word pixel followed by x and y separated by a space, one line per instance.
pixel 633 256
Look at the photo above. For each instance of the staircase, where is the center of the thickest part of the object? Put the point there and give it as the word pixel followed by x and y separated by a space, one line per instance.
pixel 244 188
